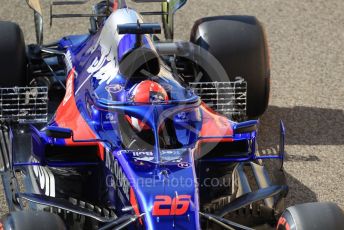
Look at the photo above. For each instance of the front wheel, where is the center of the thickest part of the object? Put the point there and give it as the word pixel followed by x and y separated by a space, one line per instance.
pixel 316 216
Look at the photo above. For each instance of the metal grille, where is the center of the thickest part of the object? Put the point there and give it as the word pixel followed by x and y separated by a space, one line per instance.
pixel 227 98
pixel 24 104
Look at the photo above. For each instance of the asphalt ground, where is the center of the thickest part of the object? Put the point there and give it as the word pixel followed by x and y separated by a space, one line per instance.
pixel 306 41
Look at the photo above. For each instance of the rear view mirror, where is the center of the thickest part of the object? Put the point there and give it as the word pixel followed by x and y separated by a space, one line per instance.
pixel 38 17
pixel 139 28
pixel 57 132
pixel 245 127
pixel 169 8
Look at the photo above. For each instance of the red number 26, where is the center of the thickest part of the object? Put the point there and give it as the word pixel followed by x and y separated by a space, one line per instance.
pixel 166 206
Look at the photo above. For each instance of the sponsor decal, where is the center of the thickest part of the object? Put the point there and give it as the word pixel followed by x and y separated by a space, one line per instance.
pixel 164 205
pixel 45 179
pixel 181 117
pixel 120 180
pixel 172 155
pixel 115 88
pixel 143 156
pixel 69 87
pixel 184 165
pixel 68 61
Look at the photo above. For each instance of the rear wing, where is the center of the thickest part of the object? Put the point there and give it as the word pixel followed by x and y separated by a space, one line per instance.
pixel 70 3
pixel 168 10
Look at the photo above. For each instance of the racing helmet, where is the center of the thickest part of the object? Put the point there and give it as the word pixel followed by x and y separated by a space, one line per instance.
pixel 145 92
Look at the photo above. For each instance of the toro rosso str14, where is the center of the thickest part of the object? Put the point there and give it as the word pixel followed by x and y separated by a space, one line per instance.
pixel 119 129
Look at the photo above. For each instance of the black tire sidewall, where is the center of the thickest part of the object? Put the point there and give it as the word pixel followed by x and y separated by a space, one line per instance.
pixel 239 44
pixel 13 59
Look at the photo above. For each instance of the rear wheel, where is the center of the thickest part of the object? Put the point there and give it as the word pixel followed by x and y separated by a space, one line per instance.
pixel 12 55
pixel 239 44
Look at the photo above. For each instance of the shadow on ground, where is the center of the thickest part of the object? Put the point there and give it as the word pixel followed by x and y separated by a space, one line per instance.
pixel 304 126
pixel 298 192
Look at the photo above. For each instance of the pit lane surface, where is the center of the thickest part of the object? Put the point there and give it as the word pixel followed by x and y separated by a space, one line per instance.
pixel 307 89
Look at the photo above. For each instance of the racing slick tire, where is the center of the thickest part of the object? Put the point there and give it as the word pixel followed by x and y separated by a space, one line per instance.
pixel 31 220
pixel 314 216
pixel 13 59
pixel 239 44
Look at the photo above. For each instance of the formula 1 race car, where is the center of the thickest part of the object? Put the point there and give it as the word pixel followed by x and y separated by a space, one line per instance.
pixel 122 129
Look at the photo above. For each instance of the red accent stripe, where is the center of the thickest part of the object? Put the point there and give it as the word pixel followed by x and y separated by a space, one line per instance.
pixel 215 125
pixel 68 116
pixel 134 204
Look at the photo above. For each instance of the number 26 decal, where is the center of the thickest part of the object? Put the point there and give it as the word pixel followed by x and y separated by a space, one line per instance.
pixel 166 206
